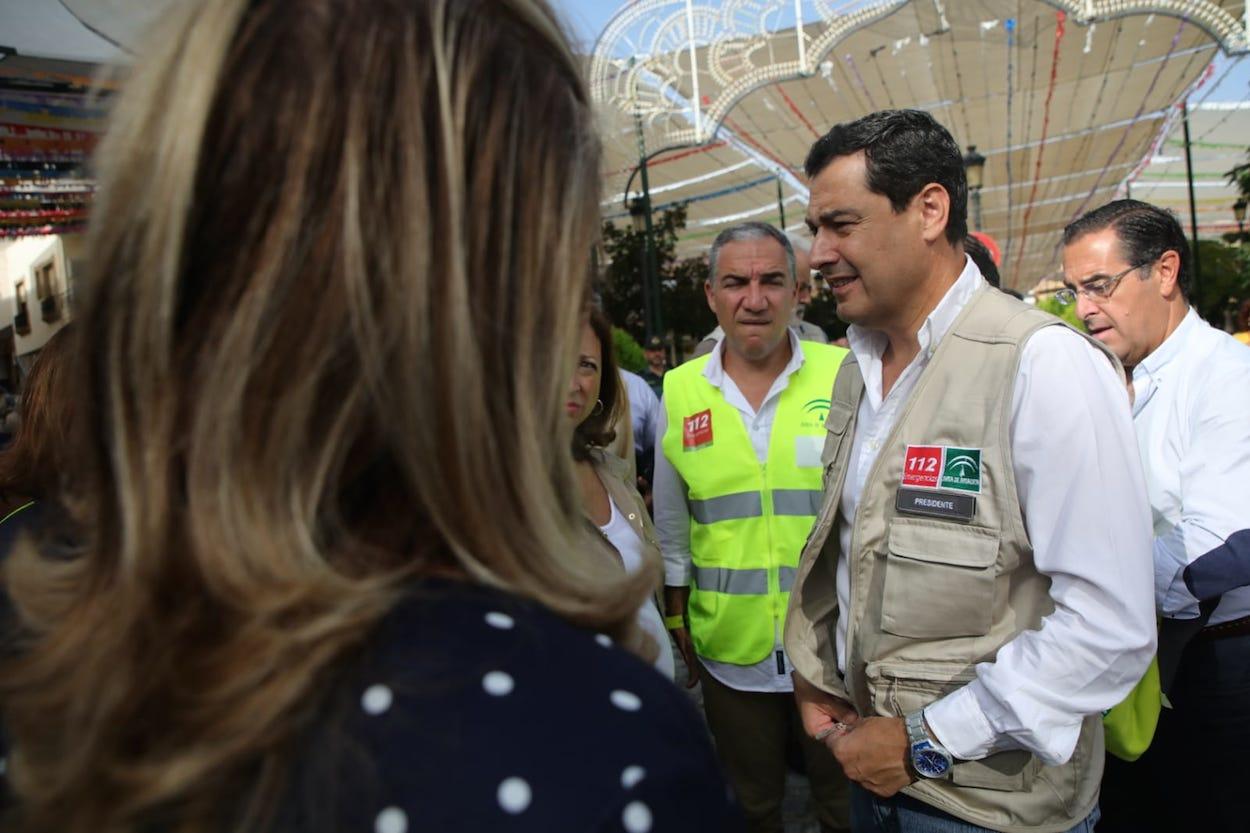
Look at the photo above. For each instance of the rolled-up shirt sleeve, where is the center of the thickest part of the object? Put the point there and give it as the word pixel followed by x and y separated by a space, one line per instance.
pixel 672 512
pixel 1083 495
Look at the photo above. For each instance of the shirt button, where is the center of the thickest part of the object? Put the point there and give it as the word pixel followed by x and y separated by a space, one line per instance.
pixel 632 516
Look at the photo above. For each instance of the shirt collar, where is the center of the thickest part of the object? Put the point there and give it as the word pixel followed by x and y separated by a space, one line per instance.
pixel 1171 348
pixel 715 370
pixel 869 345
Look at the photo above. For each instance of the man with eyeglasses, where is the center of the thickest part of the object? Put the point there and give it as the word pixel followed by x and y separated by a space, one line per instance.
pixel 1128 267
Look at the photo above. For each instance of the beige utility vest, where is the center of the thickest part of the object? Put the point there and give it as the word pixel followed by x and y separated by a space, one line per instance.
pixel 942 584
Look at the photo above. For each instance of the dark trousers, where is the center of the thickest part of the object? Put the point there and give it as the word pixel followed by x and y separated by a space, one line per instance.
pixel 752 731
pixel 1196 774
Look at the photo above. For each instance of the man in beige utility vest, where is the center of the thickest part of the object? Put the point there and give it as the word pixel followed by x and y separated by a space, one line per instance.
pixel 737 485
pixel 978 586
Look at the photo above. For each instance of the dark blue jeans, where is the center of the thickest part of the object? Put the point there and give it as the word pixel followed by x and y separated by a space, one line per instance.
pixel 1196 774
pixel 903 814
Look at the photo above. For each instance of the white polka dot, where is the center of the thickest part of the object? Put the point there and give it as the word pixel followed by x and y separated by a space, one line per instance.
pixel 604 640
pixel 625 700
pixel 391 820
pixel 514 795
pixel 631 776
pixel 377 699
pixel 499 620
pixel 497 683
pixel 637 817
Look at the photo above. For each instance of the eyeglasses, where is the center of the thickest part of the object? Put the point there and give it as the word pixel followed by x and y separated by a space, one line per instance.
pixel 1095 290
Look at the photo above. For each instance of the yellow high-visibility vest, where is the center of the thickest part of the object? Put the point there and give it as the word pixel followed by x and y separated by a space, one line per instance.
pixel 747 522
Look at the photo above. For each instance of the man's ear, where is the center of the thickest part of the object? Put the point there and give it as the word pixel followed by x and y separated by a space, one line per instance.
pixel 707 291
pixel 935 211
pixel 1169 269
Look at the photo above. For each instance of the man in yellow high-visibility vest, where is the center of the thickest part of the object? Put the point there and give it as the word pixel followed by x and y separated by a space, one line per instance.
pixel 737 485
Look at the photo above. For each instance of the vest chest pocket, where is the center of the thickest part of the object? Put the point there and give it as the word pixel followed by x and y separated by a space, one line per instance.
pixel 939 579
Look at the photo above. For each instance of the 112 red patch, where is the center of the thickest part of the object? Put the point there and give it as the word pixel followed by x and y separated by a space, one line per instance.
pixel 697 431
pixel 922 466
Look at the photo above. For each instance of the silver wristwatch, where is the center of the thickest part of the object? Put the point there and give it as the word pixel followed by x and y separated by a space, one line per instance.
pixel 929 758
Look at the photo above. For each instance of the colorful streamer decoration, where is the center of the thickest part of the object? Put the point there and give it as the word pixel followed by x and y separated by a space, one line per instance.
pixel 1060 19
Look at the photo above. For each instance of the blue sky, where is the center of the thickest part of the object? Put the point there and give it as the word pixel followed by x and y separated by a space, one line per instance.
pixel 589 17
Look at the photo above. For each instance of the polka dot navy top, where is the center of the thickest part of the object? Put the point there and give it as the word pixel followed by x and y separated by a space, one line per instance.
pixel 476 711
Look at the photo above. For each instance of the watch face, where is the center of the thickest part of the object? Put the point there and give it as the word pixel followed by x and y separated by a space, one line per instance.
pixel 930 763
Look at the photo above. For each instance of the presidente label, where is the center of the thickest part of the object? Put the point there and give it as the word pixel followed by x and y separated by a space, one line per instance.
pixel 696 431
pixel 936 504
pixel 942 467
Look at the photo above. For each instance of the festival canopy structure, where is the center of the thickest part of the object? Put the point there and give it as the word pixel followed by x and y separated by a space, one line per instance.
pixel 1066 101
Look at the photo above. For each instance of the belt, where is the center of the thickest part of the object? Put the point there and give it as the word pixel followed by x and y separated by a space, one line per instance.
pixel 1234 627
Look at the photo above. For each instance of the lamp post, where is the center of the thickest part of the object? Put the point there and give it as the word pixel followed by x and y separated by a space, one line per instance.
pixel 640 217
pixel 974 167
pixel 1239 212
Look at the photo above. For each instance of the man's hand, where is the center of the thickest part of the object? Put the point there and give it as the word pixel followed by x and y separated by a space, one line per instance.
pixel 686 645
pixel 875 755
pixel 675 600
pixel 821 712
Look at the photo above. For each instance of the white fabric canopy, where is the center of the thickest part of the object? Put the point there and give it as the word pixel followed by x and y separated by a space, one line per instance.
pixel 1066 100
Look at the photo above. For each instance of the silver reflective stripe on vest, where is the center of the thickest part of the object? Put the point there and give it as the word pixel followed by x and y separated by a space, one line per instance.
pixel 785 578
pixel 796 501
pixel 727 507
pixel 732 582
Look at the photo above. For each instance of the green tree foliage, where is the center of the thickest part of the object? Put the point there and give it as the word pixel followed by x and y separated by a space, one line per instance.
pixel 1049 303
pixel 628 351
pixel 1240 177
pixel 683 304
pixel 1225 276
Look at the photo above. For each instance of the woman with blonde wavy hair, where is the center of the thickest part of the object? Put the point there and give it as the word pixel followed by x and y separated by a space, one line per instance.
pixel 334 573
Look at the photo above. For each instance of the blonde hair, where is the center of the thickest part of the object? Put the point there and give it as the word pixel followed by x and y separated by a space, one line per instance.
pixel 338 265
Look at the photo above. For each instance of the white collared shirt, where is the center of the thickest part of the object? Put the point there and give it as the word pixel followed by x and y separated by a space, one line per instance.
pixel 1191 408
pixel 1083 498
pixel 672 512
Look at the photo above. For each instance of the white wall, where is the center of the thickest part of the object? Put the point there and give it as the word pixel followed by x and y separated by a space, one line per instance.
pixel 18 260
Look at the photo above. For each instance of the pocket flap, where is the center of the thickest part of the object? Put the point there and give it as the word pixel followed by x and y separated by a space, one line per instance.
pixel 938 542
pixel 839 417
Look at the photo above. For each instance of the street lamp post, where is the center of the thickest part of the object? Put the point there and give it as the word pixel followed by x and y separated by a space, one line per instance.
pixel 1239 213
pixel 640 216
pixel 974 166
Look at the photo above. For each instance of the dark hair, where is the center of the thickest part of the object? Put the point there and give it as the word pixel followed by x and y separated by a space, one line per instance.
pixel 1145 232
pixel 750 231
pixel 33 465
pixel 904 150
pixel 598 429
pixel 984 260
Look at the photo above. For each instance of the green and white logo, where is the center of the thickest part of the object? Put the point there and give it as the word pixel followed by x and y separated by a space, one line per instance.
pixel 815 412
pixel 961 469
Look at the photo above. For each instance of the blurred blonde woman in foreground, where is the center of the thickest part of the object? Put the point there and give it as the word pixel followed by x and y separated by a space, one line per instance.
pixel 334 572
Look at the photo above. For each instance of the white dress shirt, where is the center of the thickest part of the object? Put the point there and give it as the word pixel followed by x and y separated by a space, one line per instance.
pixel 1191 407
pixel 1083 498
pixel 627 543
pixel 644 409
pixel 672 512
